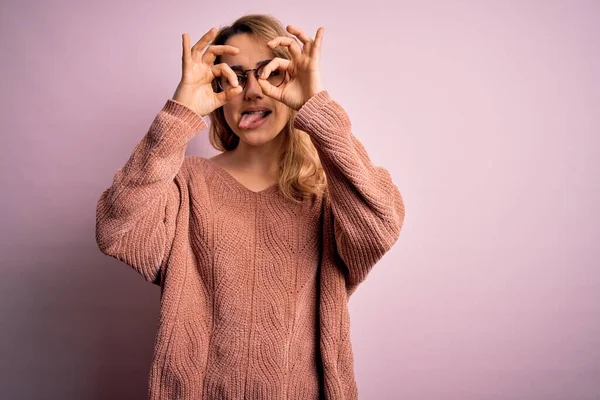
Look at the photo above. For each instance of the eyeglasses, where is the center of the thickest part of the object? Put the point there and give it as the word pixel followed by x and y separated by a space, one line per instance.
pixel 275 78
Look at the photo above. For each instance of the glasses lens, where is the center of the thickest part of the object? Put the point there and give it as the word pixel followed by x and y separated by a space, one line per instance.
pixel 224 81
pixel 275 78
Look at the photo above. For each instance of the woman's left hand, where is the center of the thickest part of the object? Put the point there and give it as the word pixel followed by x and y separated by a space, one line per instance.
pixel 303 69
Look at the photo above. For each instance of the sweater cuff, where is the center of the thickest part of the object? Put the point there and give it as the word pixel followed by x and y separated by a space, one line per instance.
pixel 322 118
pixel 310 109
pixel 194 121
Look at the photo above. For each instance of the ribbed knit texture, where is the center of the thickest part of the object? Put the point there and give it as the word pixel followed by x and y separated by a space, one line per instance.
pixel 254 287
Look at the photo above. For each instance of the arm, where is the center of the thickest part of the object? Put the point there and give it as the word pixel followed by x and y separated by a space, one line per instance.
pixel 365 205
pixel 135 217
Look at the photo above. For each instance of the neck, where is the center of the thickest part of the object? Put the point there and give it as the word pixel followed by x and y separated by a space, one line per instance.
pixel 260 159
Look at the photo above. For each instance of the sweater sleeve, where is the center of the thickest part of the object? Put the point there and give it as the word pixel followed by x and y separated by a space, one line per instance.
pixel 366 207
pixel 136 215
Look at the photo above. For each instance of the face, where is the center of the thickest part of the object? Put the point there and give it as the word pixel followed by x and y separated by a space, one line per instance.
pixel 252 128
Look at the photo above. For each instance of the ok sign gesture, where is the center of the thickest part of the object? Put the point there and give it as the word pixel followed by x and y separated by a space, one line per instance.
pixel 303 69
pixel 198 72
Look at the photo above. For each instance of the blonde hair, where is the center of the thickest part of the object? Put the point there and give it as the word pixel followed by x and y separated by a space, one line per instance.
pixel 300 171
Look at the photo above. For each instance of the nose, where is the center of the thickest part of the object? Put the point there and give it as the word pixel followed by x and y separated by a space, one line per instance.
pixel 252 90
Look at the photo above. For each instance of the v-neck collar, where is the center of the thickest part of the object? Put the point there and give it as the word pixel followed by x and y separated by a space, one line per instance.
pixel 234 182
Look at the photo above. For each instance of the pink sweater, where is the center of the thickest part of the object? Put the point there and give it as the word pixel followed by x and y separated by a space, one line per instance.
pixel 254 288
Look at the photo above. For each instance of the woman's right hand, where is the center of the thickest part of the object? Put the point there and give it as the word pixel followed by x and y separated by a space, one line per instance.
pixel 195 90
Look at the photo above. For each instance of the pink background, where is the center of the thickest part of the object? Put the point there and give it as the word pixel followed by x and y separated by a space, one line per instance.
pixel 486 113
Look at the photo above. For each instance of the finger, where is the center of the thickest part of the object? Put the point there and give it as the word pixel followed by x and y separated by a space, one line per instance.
pixel 204 40
pixel 210 55
pixel 226 96
pixel 223 69
pixel 304 38
pixel 270 90
pixel 289 42
pixel 276 64
pixel 315 51
pixel 187 54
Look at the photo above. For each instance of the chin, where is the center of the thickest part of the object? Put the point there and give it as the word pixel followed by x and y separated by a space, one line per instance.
pixel 256 137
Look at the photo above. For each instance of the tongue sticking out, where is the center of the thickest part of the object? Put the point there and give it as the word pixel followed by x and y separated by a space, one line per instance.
pixel 250 121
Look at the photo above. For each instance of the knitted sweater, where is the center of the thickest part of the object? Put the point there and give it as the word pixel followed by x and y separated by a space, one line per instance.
pixel 254 287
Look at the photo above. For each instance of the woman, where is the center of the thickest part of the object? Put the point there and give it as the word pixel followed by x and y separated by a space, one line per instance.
pixel 258 249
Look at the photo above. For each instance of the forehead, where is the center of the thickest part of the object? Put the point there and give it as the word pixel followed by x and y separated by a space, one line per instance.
pixel 252 51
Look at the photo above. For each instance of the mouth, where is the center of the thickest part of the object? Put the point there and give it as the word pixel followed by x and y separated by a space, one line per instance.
pixel 252 119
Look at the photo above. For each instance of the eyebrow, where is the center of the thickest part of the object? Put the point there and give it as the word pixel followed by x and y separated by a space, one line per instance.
pixel 258 64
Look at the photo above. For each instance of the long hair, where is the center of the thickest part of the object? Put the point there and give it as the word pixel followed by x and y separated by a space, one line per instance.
pixel 300 171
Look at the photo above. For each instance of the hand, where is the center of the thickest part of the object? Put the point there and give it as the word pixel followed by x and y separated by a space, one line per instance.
pixel 303 69
pixel 195 90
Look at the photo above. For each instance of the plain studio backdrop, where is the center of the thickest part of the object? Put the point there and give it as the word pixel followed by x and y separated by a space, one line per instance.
pixel 486 113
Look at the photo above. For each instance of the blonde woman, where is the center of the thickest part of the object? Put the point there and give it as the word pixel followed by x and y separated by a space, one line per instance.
pixel 258 249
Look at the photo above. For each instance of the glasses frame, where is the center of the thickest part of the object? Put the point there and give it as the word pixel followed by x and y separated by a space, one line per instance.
pixel 245 73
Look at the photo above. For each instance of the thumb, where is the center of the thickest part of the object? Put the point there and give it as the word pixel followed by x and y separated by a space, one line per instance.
pixel 225 96
pixel 270 90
